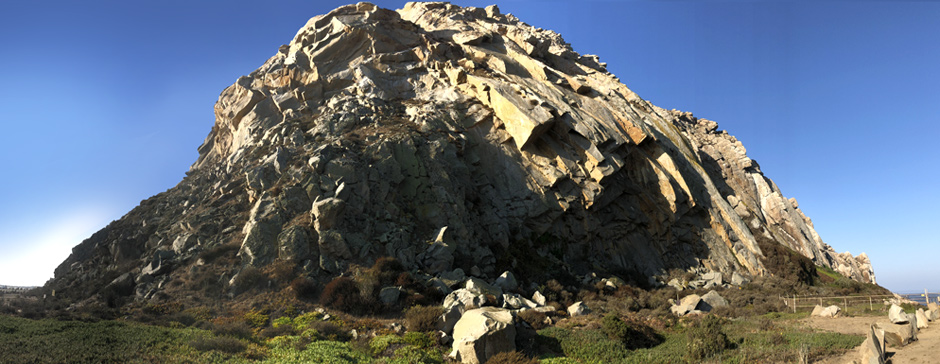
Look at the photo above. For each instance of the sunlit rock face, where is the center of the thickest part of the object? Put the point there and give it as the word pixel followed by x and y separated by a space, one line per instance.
pixel 453 137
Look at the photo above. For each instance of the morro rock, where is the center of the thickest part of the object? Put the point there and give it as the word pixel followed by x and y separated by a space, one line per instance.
pixel 448 137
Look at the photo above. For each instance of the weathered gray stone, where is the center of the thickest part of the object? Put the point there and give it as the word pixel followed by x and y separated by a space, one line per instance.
pixel 898 335
pixel 738 280
pixel 515 301
pixel 294 244
pixel 830 311
pixel 480 287
pixel 921 318
pixel 184 242
pixel 710 301
pixel 578 309
pixel 326 212
pixel 872 351
pixel 507 282
pixel 538 298
pixel 464 298
pixel 389 295
pixel 482 333
pixel 453 278
pixel 686 305
pixel 896 315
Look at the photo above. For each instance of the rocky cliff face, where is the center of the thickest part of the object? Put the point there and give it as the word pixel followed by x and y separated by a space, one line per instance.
pixel 449 137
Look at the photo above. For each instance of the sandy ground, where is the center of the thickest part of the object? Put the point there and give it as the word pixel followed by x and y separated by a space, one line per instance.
pixel 925 350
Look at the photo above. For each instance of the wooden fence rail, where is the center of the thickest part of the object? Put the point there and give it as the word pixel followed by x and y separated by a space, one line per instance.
pixel 846 302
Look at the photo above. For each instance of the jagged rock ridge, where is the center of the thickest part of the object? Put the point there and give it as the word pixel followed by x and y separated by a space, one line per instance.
pixel 451 137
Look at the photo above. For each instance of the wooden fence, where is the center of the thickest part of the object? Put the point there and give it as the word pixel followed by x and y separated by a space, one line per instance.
pixel 846 303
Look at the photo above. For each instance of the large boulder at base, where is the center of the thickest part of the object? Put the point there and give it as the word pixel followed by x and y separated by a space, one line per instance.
pixel 831 311
pixel 687 304
pixel 872 351
pixel 482 333
pixel 710 301
pixel 921 318
pixel 896 315
pixel 456 303
pixel 898 335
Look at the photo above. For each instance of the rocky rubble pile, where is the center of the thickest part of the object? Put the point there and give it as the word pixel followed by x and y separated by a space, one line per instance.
pixel 447 137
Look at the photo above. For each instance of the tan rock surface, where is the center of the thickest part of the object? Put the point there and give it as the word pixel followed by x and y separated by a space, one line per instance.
pixel 376 130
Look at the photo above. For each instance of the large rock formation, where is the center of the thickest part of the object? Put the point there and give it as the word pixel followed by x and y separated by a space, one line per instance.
pixel 449 137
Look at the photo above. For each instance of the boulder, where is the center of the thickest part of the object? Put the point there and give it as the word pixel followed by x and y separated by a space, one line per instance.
pixel 712 279
pixel 614 282
pixel 896 315
pixel 831 311
pixel 294 244
pixel 480 287
pixel 898 335
pixel 184 242
pixel 482 333
pixel 390 295
pixel 933 315
pixel 327 212
pixel 686 305
pixel 738 280
pixel 438 284
pixel 872 349
pixel 710 301
pixel 675 283
pixel 921 318
pixel 537 297
pixel 453 278
pixel 515 301
pixel 578 309
pixel 507 282
pixel 464 298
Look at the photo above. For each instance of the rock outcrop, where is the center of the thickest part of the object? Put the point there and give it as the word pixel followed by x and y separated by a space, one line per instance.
pixel 449 137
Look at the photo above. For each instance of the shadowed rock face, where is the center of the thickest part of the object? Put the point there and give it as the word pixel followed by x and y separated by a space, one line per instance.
pixel 452 137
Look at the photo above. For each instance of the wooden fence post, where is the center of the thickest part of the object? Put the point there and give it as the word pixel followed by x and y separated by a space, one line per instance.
pixel 870 306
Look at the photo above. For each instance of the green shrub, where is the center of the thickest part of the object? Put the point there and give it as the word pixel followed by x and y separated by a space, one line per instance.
pixel 423 318
pixel 633 334
pixel 329 331
pixel 414 355
pixel 585 345
pixel 222 344
pixel 418 339
pixel 511 357
pixel 380 343
pixel 706 339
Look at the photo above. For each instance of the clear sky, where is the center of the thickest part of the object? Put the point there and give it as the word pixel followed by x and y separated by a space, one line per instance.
pixel 104 104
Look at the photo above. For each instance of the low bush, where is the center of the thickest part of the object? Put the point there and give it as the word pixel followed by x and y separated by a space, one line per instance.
pixel 511 357
pixel 247 279
pixel 326 330
pixel 343 294
pixel 534 318
pixel 633 333
pixel 423 318
pixel 387 270
pixel 706 338
pixel 304 288
pixel 222 344
pixel 218 251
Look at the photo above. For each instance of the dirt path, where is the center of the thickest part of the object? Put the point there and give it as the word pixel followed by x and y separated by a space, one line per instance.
pixel 925 350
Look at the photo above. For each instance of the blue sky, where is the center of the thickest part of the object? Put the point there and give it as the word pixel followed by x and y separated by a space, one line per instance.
pixel 104 104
